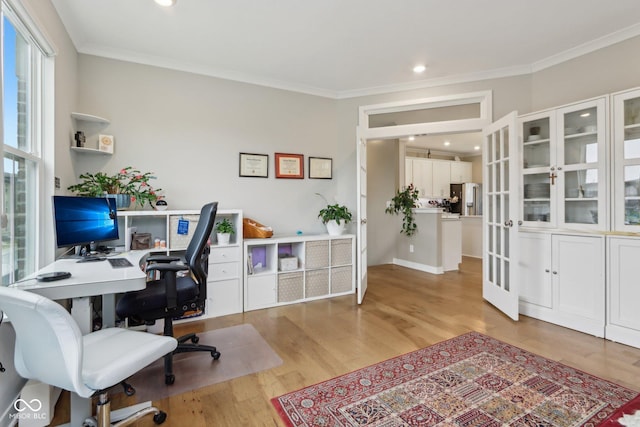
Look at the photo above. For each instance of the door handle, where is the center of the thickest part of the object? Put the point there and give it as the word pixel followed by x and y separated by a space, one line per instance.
pixel 508 223
pixel 363 221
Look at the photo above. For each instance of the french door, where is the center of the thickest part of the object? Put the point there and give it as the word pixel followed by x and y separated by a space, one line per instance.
pixel 501 182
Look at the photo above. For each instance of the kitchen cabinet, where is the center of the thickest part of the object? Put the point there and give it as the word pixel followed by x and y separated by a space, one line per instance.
pixel 432 177
pixel 562 280
pixel 292 269
pixel 461 172
pixel 564 167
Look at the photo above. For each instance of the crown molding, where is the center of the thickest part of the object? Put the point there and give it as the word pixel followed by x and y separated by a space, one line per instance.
pixel 157 61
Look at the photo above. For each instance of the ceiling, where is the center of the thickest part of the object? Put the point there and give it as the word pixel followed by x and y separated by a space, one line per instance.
pixel 346 48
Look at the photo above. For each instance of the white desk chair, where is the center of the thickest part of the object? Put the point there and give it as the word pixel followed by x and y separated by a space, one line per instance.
pixel 51 349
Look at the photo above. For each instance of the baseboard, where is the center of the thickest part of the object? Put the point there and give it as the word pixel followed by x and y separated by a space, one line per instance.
pixel 417 266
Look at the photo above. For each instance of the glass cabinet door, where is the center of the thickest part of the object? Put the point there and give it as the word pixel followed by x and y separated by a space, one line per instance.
pixel 538 157
pixel 581 165
pixel 563 167
pixel 626 186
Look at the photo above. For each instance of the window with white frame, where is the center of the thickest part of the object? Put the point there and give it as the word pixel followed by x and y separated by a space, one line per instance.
pixel 22 88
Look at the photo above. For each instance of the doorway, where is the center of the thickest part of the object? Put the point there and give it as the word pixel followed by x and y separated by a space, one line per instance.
pixel 391 124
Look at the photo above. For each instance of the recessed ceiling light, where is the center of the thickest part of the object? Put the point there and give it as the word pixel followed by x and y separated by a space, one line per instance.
pixel 477 147
pixel 419 69
pixel 166 3
pixel 411 138
pixel 447 143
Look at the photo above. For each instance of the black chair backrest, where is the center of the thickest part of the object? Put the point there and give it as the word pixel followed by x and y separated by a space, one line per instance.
pixel 197 254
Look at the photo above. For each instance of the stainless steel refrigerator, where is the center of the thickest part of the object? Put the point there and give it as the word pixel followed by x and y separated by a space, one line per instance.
pixel 469 198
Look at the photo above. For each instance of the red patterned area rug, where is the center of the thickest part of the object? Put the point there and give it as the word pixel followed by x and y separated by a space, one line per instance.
pixel 469 381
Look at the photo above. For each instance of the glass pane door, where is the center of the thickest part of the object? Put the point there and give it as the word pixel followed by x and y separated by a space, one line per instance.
pixel 538 159
pixel 501 193
pixel 580 169
pixel 626 161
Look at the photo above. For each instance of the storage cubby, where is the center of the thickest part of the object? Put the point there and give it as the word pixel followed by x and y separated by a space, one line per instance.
pixel 324 268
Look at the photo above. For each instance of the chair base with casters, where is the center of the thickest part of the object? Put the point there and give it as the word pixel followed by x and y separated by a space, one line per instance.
pixel 183 347
pixel 50 348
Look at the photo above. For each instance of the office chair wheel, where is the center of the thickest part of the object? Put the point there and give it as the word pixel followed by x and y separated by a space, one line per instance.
pixel 169 379
pixel 195 339
pixel 160 417
pixel 215 355
pixel 128 388
pixel 90 422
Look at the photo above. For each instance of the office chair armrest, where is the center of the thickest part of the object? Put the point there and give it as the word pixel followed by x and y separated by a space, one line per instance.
pixel 163 258
pixel 167 267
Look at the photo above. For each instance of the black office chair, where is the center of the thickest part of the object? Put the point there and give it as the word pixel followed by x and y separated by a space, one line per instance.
pixel 172 296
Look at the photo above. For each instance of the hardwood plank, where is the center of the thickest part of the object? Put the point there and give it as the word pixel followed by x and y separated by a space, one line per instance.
pixel 404 310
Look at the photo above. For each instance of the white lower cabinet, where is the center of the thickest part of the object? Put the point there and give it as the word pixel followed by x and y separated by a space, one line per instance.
pixel 562 280
pixel 623 293
pixel 224 289
pixel 286 270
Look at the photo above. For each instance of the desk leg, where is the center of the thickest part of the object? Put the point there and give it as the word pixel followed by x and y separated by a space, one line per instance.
pixel 108 310
pixel 81 311
pixel 80 409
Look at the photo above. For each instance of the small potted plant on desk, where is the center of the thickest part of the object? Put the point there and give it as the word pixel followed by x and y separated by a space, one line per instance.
pixel 224 230
pixel 335 218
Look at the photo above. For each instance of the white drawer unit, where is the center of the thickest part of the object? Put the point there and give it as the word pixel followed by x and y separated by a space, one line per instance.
pixel 326 268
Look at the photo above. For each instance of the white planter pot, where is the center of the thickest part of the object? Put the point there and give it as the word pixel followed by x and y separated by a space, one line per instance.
pixel 223 238
pixel 335 229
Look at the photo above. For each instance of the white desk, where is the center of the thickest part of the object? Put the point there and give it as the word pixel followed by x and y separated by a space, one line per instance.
pixel 88 279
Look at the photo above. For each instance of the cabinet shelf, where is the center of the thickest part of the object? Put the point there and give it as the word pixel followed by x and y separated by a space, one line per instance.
pixel 580 135
pixel 535 143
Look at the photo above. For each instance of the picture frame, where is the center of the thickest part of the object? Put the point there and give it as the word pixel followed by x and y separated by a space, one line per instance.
pixel 254 165
pixel 320 168
pixel 105 143
pixel 289 165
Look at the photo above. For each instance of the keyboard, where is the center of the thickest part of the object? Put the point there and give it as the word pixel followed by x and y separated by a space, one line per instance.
pixel 119 262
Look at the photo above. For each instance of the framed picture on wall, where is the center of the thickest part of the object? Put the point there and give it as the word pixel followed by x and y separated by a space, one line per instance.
pixel 289 165
pixel 320 168
pixel 254 165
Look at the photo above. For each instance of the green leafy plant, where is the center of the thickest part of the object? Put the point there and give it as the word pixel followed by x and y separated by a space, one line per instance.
pixel 336 213
pixel 404 201
pixel 225 226
pixel 128 181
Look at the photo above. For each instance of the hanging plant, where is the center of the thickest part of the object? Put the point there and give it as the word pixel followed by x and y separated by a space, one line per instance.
pixel 404 201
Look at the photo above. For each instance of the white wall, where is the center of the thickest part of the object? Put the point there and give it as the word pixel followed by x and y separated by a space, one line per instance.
pixel 189 129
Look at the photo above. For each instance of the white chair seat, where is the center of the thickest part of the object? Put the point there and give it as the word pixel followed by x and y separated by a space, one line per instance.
pixel 107 355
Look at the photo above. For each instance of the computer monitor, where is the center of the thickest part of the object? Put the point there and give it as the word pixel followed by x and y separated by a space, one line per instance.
pixel 84 220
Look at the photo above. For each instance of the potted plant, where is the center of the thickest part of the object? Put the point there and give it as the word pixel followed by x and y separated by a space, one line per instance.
pixel 404 201
pixel 224 230
pixel 335 218
pixel 127 186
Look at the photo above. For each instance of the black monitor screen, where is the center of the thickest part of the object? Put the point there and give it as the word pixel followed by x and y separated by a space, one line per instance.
pixel 82 220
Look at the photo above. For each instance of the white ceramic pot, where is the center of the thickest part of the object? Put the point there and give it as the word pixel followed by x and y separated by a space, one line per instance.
pixel 335 229
pixel 223 238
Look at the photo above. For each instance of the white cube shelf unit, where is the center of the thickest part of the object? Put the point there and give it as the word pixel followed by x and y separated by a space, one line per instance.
pixel 224 281
pixel 325 268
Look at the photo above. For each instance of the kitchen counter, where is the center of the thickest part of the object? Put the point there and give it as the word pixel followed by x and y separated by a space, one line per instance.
pixel 436 246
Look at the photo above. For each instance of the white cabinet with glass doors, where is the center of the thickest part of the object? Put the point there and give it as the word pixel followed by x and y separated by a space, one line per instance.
pixel 564 167
pixel 626 151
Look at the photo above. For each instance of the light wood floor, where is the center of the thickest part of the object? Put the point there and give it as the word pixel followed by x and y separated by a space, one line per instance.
pixel 404 310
